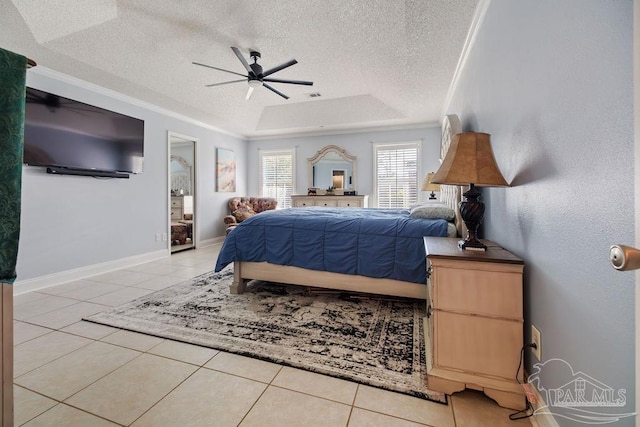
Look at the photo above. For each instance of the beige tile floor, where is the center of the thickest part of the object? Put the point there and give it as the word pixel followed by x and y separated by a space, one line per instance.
pixel 74 373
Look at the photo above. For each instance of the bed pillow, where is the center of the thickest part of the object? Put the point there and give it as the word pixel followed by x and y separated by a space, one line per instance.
pixel 433 211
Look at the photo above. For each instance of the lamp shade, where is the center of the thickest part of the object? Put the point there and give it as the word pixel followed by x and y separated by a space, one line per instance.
pixel 428 185
pixel 470 161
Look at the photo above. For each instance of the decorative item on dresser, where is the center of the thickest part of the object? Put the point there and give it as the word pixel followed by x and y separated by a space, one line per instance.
pixel 330 201
pixel 476 326
pixel 470 161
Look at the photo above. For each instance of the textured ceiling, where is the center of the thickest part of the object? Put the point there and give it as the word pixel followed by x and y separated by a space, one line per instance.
pixel 374 62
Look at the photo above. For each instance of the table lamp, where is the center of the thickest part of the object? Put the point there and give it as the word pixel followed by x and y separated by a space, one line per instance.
pixel 427 185
pixel 470 161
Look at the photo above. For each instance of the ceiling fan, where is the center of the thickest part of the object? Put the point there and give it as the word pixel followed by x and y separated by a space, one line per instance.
pixel 255 76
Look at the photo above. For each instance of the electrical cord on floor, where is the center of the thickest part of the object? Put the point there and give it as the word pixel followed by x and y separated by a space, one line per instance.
pixel 520 415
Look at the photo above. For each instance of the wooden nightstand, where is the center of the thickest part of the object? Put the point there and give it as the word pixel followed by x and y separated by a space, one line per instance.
pixel 476 326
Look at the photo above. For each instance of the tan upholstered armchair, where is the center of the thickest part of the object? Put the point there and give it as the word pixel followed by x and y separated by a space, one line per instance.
pixel 242 208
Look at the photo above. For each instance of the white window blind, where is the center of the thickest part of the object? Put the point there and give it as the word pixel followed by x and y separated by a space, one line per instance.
pixel 396 175
pixel 276 176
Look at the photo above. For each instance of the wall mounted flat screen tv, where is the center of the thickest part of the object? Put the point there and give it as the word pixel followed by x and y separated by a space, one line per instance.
pixel 71 136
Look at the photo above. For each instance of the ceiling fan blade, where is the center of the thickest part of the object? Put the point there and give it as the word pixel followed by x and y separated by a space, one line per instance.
pixel 279 67
pixel 293 82
pixel 241 58
pixel 225 83
pixel 219 69
pixel 271 88
pixel 249 93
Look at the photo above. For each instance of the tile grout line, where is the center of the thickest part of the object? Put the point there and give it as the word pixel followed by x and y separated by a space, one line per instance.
pixel 199 366
pixel 269 384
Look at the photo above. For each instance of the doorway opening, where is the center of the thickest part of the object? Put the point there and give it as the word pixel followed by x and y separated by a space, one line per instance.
pixel 182 192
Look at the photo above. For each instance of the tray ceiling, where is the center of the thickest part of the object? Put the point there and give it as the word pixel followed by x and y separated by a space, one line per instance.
pixel 373 63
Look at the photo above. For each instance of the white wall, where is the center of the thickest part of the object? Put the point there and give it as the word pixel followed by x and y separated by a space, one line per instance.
pixel 71 222
pixel 552 83
pixel 359 144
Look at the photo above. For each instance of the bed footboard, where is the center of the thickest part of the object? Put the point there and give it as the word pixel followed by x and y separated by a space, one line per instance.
pixel 245 271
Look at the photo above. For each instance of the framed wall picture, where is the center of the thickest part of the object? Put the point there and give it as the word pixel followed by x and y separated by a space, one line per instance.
pixel 225 170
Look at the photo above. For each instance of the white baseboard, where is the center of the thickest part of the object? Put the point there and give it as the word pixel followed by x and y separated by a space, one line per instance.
pixel 541 420
pixel 28 285
pixel 211 242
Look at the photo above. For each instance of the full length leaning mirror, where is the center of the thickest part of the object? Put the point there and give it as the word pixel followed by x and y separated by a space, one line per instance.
pixel 333 167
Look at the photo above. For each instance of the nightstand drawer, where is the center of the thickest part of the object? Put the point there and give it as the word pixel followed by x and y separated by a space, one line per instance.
pixel 491 290
pixel 176 202
pixel 477 344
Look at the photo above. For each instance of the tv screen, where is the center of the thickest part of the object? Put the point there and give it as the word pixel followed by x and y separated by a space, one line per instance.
pixel 64 133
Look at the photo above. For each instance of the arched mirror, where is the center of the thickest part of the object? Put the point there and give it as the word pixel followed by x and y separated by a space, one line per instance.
pixel 180 177
pixel 333 167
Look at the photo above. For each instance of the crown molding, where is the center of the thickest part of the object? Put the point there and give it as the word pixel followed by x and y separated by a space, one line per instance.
pixel 328 132
pixel 47 72
pixel 476 23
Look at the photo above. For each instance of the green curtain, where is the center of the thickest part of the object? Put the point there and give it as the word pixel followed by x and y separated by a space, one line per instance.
pixel 13 73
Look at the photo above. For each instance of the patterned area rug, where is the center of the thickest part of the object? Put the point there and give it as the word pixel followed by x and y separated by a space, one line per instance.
pixel 373 340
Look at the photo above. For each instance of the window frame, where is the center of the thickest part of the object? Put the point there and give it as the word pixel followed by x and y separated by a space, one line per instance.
pixel 276 152
pixel 377 146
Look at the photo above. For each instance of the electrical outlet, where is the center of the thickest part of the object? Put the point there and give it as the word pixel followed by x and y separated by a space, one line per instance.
pixel 536 338
pixel 157 237
pixel 164 237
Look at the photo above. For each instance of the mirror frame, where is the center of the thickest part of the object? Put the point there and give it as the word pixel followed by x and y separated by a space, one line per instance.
pixel 342 153
pixel 182 162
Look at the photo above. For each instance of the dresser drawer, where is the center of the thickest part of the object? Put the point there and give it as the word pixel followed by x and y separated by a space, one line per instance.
pixel 334 201
pixel 326 203
pixel 302 203
pixel 176 214
pixel 176 202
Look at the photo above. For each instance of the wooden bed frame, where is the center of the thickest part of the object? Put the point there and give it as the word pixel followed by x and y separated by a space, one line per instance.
pixel 450 195
pixel 245 271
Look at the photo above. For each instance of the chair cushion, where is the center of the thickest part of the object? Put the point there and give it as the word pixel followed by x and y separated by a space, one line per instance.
pixel 243 213
pixel 257 204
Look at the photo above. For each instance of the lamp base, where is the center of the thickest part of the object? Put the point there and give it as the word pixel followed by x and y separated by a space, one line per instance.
pixel 432 196
pixel 472 213
pixel 472 246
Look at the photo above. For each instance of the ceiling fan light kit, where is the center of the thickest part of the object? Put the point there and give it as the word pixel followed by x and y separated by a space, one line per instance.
pixel 256 77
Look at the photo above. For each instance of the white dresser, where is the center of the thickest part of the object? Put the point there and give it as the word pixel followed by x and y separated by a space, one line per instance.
pixel 330 201
pixel 181 205
pixel 177 208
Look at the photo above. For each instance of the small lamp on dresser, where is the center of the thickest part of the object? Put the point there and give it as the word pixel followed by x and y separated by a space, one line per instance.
pixel 470 161
pixel 428 185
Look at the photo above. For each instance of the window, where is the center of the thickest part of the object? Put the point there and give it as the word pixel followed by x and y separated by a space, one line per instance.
pixel 396 174
pixel 276 176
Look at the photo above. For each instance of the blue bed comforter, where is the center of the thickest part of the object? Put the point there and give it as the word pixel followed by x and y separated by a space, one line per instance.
pixel 368 242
